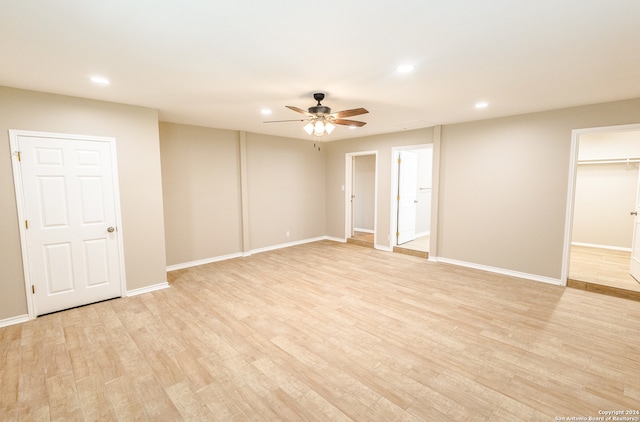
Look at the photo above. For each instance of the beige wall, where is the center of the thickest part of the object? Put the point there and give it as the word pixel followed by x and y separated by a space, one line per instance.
pixel 604 196
pixel 609 145
pixel 503 186
pixel 286 190
pixel 605 193
pixel 202 197
pixel 136 133
pixel 364 190
pixel 336 151
pixel 203 180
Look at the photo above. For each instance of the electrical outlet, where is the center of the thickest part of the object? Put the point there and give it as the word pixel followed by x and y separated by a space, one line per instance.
pixel 287 233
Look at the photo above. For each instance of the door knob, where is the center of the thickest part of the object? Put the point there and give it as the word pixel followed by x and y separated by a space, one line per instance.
pixel 111 229
pixel 633 213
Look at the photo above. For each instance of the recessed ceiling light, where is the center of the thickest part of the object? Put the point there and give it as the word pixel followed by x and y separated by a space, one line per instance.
pixel 405 68
pixel 482 104
pixel 265 111
pixel 99 80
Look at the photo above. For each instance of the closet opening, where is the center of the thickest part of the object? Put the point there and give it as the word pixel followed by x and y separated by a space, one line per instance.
pixel 603 243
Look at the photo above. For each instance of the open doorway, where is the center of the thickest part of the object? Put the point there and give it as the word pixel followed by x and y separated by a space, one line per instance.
pixel 603 217
pixel 411 199
pixel 360 197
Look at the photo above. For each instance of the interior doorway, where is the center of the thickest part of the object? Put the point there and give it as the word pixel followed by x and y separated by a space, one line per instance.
pixel 603 214
pixel 411 199
pixel 361 197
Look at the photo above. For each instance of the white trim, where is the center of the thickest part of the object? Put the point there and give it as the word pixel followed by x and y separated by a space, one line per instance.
pixel 287 245
pixel 148 289
pixel 384 248
pixel 17 180
pixel 573 168
pixel 203 261
pixel 244 255
pixel 358 229
pixel 596 246
pixel 14 320
pixel 502 271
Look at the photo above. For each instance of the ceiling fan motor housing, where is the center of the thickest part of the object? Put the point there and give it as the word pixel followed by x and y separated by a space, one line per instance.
pixel 320 110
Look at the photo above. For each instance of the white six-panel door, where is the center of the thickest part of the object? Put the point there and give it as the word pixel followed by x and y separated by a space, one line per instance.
pixel 68 189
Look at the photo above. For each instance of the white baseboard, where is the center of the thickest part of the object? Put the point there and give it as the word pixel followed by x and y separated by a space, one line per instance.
pixel 148 289
pixel 13 320
pixel 383 248
pixel 502 271
pixel 286 245
pixel 251 252
pixel 593 245
pixel 355 229
pixel 203 261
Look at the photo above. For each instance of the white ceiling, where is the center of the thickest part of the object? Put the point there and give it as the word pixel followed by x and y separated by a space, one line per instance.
pixel 217 64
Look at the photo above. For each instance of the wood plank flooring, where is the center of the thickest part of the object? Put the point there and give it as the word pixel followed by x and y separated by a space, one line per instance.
pixel 418 247
pixel 328 332
pixel 362 239
pixel 603 271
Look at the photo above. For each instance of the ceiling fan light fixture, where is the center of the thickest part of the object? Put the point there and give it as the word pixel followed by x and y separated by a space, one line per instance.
pixel 309 128
pixel 318 128
pixel 328 127
pixel 319 119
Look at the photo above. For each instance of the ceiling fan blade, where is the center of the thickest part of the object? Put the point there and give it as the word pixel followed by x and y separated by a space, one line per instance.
pixel 350 112
pixel 281 121
pixel 347 122
pixel 299 110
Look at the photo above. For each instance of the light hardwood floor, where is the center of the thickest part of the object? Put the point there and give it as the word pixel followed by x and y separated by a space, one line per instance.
pixel 328 331
pixel 418 247
pixel 603 271
pixel 418 244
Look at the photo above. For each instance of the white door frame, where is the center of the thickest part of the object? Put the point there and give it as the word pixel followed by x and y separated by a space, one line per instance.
pixel 17 180
pixel 348 191
pixel 573 168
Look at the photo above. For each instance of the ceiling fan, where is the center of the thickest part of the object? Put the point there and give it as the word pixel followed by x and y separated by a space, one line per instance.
pixel 321 120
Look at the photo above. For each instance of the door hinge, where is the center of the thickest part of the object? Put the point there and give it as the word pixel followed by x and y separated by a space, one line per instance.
pixel 26 224
pixel 19 156
pixel 397 234
pixel 33 289
pixel 398 197
pixel 399 160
